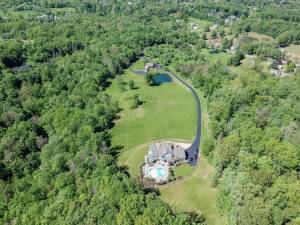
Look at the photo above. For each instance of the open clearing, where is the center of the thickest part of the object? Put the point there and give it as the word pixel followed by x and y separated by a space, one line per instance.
pixel 169 113
pixel 294 52
pixel 259 37
pixel 200 23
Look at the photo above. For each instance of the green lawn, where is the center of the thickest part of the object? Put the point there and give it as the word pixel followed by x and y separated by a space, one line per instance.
pixel 201 24
pixel 221 56
pixel 293 51
pixel 259 37
pixel 248 67
pixel 138 65
pixel 168 113
pixel 183 170
pixel 194 192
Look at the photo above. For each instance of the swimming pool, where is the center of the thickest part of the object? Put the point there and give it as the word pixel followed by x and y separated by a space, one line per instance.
pixel 157 173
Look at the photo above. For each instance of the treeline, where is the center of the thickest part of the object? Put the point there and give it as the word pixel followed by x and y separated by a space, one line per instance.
pixel 254 145
pixel 285 33
pixel 84 6
pixel 255 123
pixel 283 10
pixel 57 165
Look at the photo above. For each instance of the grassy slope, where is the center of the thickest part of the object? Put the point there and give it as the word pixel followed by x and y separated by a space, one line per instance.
pixel 214 58
pixel 294 52
pixel 169 112
pixel 260 37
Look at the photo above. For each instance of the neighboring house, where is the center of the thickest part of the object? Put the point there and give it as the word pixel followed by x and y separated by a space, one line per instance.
pixel 194 26
pixel 278 70
pixel 149 66
pixel 167 152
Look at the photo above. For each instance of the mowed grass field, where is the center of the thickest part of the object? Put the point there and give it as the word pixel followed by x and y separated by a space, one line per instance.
pixel 168 113
pixel 194 193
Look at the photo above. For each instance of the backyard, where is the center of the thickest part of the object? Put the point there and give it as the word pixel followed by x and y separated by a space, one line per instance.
pixel 168 113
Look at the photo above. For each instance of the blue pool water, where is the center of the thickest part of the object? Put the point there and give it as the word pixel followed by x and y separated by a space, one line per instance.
pixel 157 172
pixel 162 78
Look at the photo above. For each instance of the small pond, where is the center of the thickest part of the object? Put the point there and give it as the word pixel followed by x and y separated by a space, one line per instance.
pixel 162 78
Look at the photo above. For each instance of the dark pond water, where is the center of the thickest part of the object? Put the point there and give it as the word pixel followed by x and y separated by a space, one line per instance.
pixel 162 78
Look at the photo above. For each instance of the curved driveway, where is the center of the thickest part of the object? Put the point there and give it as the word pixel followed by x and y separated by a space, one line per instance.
pixel 193 150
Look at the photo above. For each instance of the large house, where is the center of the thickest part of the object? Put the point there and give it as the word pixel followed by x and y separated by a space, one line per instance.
pixel 168 152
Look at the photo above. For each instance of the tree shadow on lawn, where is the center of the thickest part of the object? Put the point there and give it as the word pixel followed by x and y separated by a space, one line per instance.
pixel 149 190
pixel 106 84
pixel 112 123
pixel 141 102
pixel 154 84
pixel 115 151
pixel 124 169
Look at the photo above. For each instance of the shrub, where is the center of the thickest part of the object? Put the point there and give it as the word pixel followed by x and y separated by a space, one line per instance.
pixel 290 67
pixel 131 84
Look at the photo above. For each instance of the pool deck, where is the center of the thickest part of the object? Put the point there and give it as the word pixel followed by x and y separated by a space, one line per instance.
pixel 159 178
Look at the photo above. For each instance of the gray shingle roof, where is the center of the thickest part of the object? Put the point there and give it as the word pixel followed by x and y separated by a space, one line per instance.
pixel 179 152
pixel 157 150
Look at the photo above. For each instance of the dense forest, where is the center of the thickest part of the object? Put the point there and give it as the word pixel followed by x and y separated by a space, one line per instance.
pixel 57 164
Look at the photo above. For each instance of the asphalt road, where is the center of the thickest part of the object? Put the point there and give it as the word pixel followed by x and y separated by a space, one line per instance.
pixel 194 149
